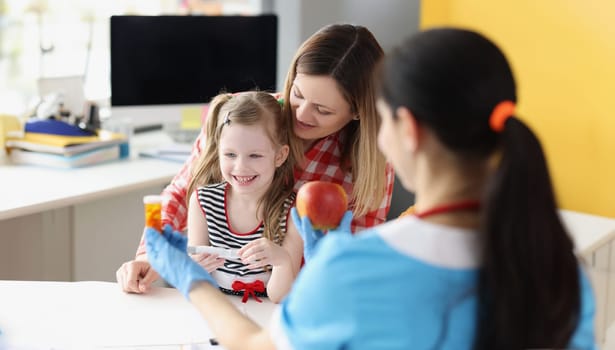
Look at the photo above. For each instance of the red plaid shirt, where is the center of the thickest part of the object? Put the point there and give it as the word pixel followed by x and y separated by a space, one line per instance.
pixel 322 162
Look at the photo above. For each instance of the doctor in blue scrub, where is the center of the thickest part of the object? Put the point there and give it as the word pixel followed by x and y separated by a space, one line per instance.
pixel 483 263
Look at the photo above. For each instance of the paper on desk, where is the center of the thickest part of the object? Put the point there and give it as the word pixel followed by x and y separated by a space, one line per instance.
pixel 176 152
pixel 191 118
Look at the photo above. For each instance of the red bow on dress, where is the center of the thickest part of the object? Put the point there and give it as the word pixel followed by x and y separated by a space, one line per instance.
pixel 249 289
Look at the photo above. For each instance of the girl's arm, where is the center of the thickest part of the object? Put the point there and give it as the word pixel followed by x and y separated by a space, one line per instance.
pixel 283 275
pixel 198 234
pixel 197 224
pixel 285 259
pixel 219 313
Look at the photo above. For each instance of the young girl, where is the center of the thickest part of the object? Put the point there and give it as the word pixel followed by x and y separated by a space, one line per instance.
pixel 241 194
pixel 483 263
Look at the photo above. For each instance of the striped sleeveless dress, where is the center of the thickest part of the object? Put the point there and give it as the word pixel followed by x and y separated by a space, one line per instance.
pixel 234 277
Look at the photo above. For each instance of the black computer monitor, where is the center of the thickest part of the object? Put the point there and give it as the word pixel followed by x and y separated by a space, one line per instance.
pixel 161 63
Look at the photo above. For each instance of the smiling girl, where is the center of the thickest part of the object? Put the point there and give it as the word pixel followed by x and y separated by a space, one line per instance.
pixel 241 193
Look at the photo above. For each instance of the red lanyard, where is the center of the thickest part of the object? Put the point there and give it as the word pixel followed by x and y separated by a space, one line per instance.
pixel 470 204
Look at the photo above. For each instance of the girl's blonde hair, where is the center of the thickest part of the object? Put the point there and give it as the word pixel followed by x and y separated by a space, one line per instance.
pixel 249 108
pixel 348 54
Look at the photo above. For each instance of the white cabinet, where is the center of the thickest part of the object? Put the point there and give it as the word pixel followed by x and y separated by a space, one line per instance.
pixel 594 238
pixel 82 242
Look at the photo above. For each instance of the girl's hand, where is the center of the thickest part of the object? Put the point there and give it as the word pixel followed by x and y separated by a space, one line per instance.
pixel 210 262
pixel 166 253
pixel 263 252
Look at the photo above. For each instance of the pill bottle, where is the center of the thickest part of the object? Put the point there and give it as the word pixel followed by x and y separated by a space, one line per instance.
pixel 153 206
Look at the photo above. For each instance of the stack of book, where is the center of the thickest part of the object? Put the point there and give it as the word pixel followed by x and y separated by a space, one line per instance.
pixel 66 151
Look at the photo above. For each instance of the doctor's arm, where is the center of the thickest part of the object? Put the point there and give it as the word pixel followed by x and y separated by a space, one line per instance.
pixel 305 321
pixel 167 253
pixel 219 313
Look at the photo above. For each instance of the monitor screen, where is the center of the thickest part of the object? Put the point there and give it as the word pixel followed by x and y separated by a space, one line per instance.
pixel 165 61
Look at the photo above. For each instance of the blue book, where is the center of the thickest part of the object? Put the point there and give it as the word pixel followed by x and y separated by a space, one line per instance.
pixel 95 156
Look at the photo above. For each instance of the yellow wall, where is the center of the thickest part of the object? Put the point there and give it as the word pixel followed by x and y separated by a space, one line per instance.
pixel 563 56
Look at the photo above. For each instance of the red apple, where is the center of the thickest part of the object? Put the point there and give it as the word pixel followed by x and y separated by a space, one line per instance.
pixel 323 202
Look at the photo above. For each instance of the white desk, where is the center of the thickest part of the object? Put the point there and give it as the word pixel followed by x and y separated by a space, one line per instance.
pixel 97 315
pixel 78 224
pixel 31 189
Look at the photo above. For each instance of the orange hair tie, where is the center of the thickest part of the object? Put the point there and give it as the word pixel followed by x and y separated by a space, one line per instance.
pixel 500 114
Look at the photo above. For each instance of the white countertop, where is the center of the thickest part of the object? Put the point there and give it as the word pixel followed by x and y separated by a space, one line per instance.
pixel 97 315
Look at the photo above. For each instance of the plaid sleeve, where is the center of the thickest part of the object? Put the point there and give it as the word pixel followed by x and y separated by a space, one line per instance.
pixel 379 215
pixel 174 207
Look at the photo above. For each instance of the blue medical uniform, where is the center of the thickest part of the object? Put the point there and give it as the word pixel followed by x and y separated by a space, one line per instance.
pixel 407 284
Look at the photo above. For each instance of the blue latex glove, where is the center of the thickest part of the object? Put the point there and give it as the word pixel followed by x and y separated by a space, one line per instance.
pixel 166 253
pixel 311 236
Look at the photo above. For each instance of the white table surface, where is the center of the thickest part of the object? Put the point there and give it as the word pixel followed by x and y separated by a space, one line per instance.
pixel 28 189
pixel 98 315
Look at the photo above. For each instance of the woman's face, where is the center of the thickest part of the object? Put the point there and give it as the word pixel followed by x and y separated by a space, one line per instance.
pixel 391 143
pixel 318 107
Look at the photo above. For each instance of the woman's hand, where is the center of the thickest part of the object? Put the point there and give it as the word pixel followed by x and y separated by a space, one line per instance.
pixel 136 276
pixel 210 262
pixel 263 252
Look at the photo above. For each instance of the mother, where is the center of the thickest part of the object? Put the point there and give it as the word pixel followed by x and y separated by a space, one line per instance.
pixel 330 98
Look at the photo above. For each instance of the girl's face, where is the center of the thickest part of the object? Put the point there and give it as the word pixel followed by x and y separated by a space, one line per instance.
pixel 318 107
pixel 248 158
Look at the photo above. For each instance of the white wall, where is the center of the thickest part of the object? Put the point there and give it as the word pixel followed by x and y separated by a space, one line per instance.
pixel 389 20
